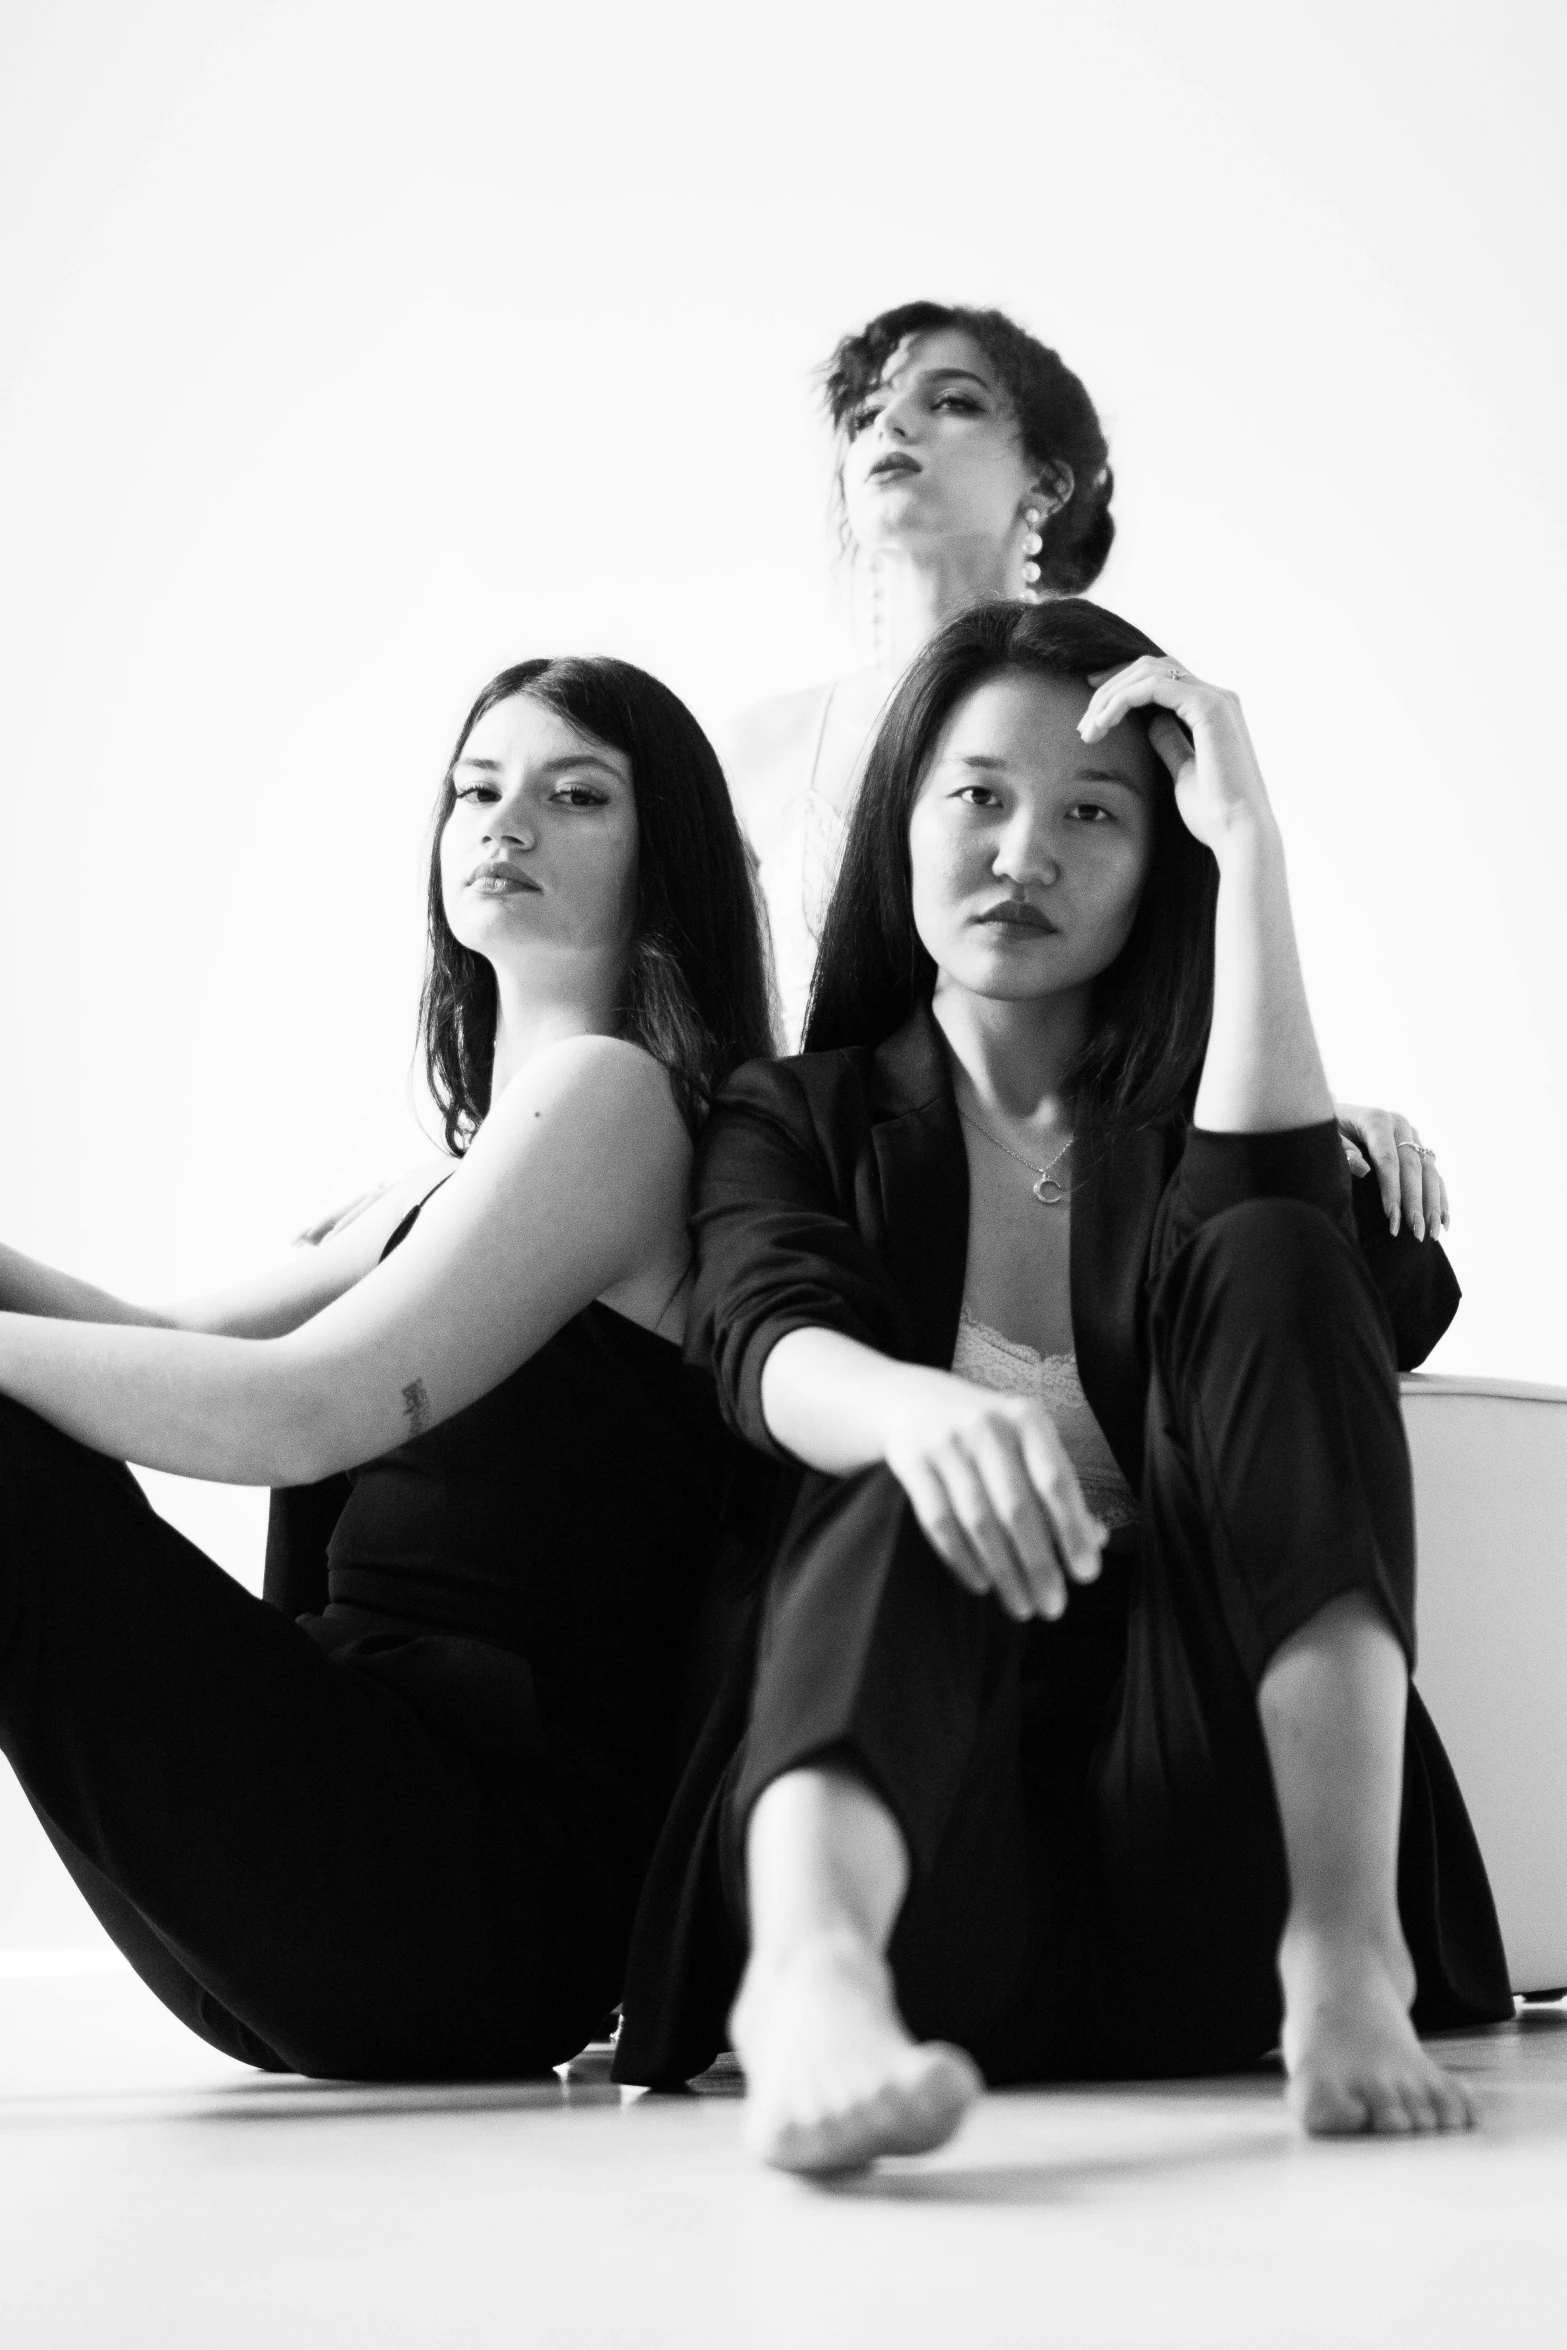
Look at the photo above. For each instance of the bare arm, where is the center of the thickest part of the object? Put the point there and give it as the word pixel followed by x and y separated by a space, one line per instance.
pixel 576 1183
pixel 836 1404
pixel 263 1306
pixel 987 1475
pixel 1263 1072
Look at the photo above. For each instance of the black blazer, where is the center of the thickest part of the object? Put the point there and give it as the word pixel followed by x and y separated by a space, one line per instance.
pixel 832 1192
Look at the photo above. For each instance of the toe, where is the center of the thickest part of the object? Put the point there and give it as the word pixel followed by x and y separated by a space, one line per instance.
pixel 1328 2108
pixel 1389 2116
pixel 1453 2105
pixel 815 2147
pixel 1419 2106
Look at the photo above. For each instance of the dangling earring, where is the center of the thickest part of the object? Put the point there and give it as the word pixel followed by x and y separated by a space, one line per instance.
pixel 878 615
pixel 1032 545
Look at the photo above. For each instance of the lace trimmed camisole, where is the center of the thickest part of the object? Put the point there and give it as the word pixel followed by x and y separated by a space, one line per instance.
pixel 1008 1367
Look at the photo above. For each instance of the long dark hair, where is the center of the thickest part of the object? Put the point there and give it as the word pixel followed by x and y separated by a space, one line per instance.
pixel 1152 1007
pixel 695 990
pixel 1058 421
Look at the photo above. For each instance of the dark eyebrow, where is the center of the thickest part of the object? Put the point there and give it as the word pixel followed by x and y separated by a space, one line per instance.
pixel 1109 775
pixel 580 759
pixel 988 763
pixel 939 375
pixel 550 766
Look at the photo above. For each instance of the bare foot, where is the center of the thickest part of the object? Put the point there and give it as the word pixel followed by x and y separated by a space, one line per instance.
pixel 1350 2050
pixel 832 2077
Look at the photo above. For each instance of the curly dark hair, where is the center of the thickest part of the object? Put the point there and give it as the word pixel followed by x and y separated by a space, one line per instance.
pixel 1056 417
pixel 1152 1007
pixel 696 990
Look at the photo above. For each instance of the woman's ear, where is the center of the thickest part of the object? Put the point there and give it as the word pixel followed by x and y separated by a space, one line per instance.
pixel 1054 485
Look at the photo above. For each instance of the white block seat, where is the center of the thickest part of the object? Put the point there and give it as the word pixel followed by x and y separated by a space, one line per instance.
pixel 1490 1465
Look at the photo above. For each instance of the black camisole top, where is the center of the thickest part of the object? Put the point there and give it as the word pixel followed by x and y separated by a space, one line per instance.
pixel 566 1518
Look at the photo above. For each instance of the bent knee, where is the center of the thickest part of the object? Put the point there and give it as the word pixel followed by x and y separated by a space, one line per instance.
pixel 1279 1264
pixel 1273 1246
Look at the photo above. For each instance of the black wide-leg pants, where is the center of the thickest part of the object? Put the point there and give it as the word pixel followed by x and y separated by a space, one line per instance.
pixel 1098 1879
pixel 307 1872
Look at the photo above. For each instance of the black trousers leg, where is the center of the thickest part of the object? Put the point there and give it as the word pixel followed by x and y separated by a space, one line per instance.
pixel 873 1655
pixel 1277 1480
pixel 1113 1904
pixel 303 1870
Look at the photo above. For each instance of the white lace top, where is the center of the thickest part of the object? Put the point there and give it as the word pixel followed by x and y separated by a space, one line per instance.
pixel 1010 1368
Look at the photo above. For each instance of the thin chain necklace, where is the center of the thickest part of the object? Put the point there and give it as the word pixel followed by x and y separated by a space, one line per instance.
pixel 1046 1189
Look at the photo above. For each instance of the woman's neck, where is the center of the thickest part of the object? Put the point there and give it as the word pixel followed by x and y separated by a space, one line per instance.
pixel 922 588
pixel 529 1018
pixel 1011 1061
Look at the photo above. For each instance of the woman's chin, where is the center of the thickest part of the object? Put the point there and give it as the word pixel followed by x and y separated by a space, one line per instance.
pixel 1018 972
pixel 893 522
pixel 485 922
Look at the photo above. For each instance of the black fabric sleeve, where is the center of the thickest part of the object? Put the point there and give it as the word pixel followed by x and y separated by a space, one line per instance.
pixel 1218 1171
pixel 1415 1277
pixel 776 1249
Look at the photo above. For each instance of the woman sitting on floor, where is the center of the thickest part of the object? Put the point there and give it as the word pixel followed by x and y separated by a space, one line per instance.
pixel 1081 1740
pixel 406 1836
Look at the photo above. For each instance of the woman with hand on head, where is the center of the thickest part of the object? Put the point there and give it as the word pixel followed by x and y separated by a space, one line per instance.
pixel 1081 1740
pixel 405 1836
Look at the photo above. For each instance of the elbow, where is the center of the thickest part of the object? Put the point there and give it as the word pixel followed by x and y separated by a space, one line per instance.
pixel 308 1449
pixel 300 1463
pixel 304 1439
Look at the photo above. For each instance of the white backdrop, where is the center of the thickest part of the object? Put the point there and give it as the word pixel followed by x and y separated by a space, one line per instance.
pixel 350 350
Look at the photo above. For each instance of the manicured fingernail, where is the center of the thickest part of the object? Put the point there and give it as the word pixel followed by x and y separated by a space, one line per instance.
pixel 1055 1605
pixel 1418 1223
pixel 1392 1223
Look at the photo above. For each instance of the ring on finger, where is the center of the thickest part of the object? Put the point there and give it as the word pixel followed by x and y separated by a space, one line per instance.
pixel 1173 670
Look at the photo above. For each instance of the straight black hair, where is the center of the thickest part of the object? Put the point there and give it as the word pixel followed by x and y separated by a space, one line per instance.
pixel 1152 1007
pixel 696 994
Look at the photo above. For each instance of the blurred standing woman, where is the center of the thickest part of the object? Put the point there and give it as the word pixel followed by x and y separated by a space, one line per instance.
pixel 405 1836
pixel 1079 1740
pixel 971 464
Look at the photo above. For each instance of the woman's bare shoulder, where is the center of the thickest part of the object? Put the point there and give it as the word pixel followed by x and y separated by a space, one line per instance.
pixel 605 1093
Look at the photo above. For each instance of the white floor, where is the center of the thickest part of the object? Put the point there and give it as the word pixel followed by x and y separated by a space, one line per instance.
pixel 150 2191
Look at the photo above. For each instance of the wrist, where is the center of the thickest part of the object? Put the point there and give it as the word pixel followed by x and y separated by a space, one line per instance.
pixel 896 1397
pixel 1248 839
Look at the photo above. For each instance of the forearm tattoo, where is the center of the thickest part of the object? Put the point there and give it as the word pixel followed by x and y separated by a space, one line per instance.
pixel 416 1407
